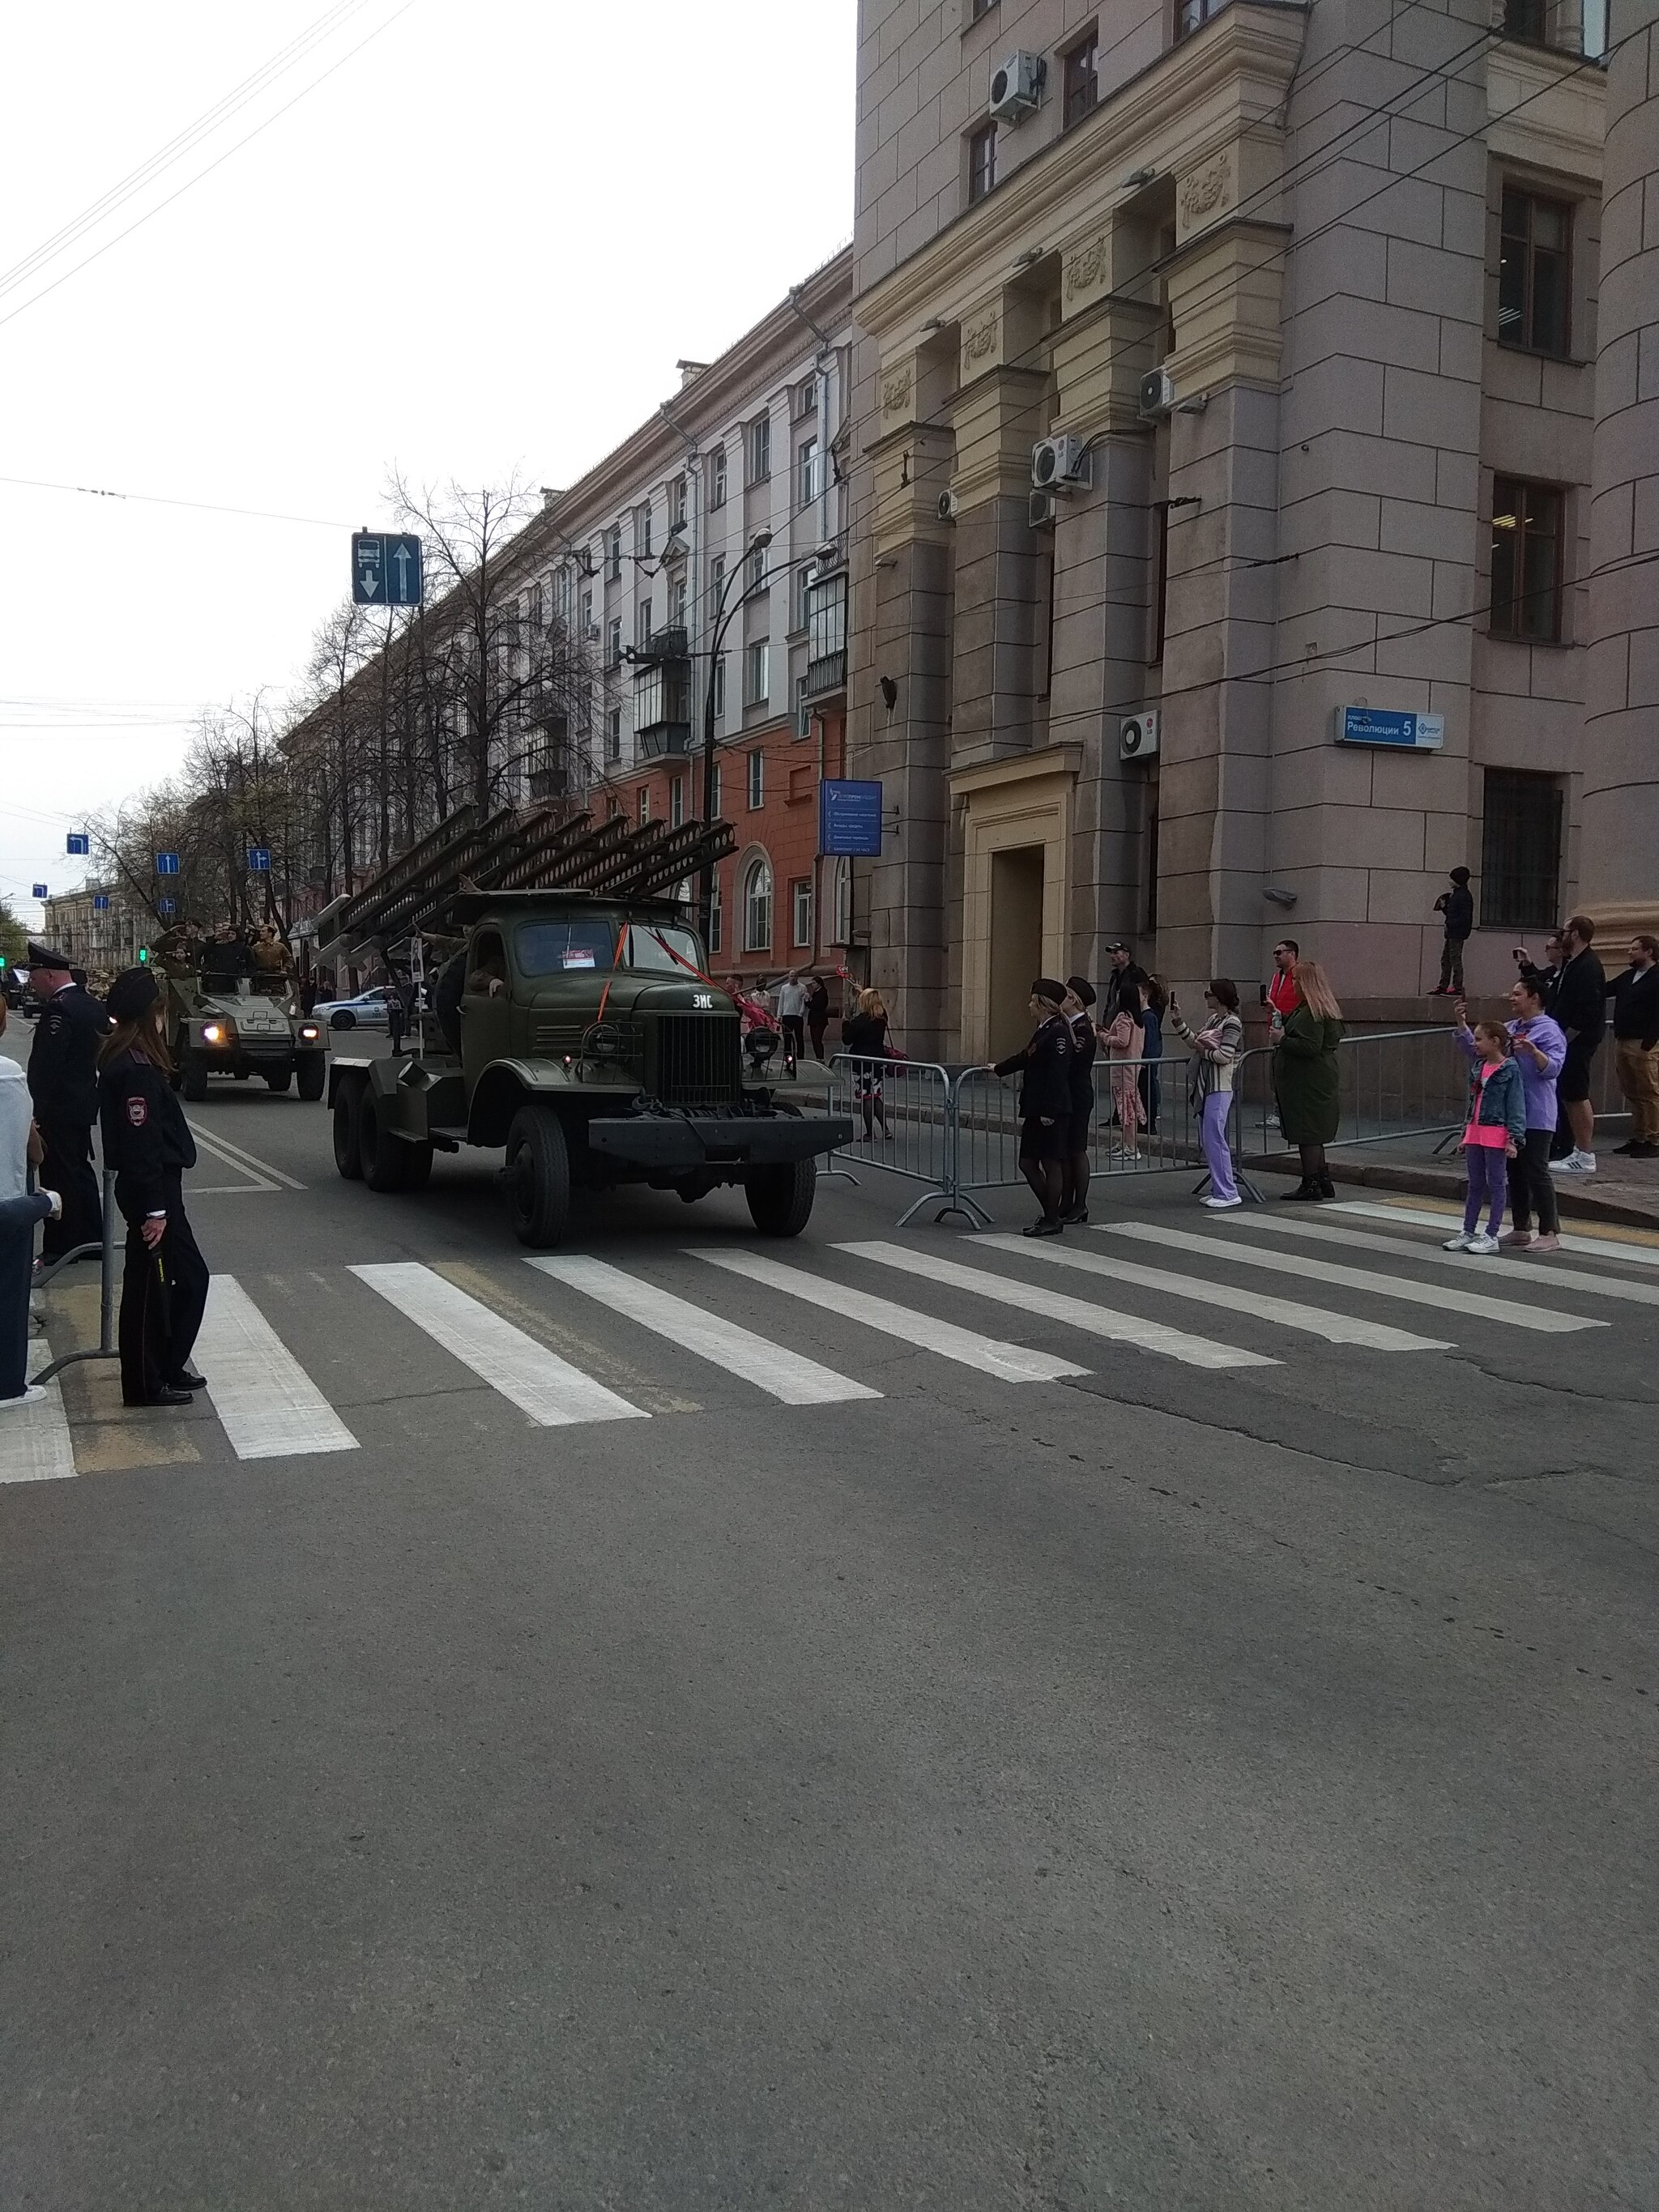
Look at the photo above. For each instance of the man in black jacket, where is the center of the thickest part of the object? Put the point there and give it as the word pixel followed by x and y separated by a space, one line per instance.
pixel 1581 1009
pixel 1044 1067
pixel 64 1085
pixel 1546 977
pixel 1457 906
pixel 1635 997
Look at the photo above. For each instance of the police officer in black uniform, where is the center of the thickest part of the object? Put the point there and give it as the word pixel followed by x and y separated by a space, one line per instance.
pixel 1044 1067
pixel 164 1285
pixel 64 1085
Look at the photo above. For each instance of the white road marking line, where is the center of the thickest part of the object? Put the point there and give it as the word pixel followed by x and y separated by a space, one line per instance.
pixel 1531 1271
pixel 1281 1313
pixel 1225 1247
pixel 228 1189
pixel 554 1394
pixel 267 1405
pixel 235 1156
pixel 988 1355
pixel 786 1376
pixel 1593 1246
pixel 34 1439
pixel 1052 1305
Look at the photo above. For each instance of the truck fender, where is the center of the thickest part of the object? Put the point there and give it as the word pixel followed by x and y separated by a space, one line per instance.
pixel 504 1086
pixel 338 1067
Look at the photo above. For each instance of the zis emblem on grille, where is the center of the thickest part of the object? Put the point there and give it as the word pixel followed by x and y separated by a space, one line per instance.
pixel 701 999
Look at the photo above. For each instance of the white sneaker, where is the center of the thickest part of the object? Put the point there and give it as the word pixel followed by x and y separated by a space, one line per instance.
pixel 1461 1243
pixel 1574 1163
pixel 1482 1244
pixel 33 1393
pixel 1221 1204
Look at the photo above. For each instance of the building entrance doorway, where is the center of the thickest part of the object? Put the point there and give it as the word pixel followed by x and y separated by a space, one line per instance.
pixel 1016 944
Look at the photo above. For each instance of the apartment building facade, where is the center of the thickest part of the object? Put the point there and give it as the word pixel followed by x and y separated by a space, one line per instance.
pixel 1304 303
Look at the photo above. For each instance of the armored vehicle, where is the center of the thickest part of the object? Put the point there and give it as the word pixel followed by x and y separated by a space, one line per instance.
pixel 574 1027
pixel 220 1025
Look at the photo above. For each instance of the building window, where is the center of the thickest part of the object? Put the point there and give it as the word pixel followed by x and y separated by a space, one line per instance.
pixel 757 576
pixel 800 904
pixel 717 479
pixel 981 162
pixel 807 397
pixel 802 597
pixel 757 905
pixel 642 532
pixel 676 604
pixel 756 780
pixel 715 795
pixel 757 674
pixel 842 933
pixel 715 911
pixel 1193 15
pixel 803 709
pixel 809 476
pixel 760 449
pixel 613 650
pixel 676 801
pixel 613 735
pixel 613 553
pixel 716 579
pixel 587 605
pixel 719 686
pixel 644 803
pixel 979 8
pixel 1082 80
pixel 562 595
pixel 1533 273
pixel 1520 851
pixel 676 504
pixel 1526 561
pixel 643 619
pixel 826 633
pixel 613 809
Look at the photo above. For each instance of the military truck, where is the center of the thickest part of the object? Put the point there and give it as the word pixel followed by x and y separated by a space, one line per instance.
pixel 219 1026
pixel 580 1034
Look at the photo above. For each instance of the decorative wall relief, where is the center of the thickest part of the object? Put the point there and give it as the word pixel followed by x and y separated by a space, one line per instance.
pixel 896 388
pixel 979 338
pixel 1086 268
pixel 1204 190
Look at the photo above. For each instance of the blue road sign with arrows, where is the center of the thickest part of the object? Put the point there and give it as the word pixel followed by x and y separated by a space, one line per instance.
pixel 79 842
pixel 258 859
pixel 39 891
pixel 386 569
pixel 166 863
pixel 164 906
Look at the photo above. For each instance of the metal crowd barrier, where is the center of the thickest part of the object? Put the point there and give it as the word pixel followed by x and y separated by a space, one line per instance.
pixel 1395 1084
pixel 106 1348
pixel 1143 1123
pixel 902 1122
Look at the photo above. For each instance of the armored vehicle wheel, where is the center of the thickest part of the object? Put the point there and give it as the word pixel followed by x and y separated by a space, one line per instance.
pixel 192 1081
pixel 379 1157
pixel 345 1127
pixel 279 1078
pixel 538 1176
pixel 313 1076
pixel 780 1198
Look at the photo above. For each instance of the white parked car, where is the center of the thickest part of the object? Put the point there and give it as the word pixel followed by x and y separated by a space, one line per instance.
pixel 366 1011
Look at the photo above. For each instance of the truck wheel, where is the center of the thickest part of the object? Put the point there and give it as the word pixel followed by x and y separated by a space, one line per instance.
pixel 346 1157
pixel 192 1081
pixel 279 1078
pixel 313 1076
pixel 780 1198
pixel 379 1155
pixel 538 1176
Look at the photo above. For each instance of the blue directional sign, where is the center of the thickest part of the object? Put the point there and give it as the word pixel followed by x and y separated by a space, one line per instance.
pixel 38 890
pixel 258 859
pixel 1385 725
pixel 79 842
pixel 386 569
pixel 100 901
pixel 849 817
pixel 164 906
pixel 166 863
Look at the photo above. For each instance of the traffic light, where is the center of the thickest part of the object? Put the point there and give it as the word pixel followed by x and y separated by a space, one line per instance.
pixel 143 956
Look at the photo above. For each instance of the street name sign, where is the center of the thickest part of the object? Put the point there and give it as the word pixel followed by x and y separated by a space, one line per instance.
pixel 849 817
pixel 386 569
pixel 1384 726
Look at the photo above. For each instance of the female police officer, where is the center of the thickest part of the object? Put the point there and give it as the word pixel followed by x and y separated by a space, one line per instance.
pixel 164 1288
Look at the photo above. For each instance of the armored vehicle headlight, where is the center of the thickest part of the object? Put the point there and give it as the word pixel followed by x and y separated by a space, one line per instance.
pixel 214 1032
pixel 311 1032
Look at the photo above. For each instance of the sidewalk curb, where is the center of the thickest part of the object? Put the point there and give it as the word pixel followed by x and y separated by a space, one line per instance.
pixel 1574 1204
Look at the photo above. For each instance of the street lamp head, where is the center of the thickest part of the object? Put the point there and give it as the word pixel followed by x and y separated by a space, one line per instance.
pixel 760 541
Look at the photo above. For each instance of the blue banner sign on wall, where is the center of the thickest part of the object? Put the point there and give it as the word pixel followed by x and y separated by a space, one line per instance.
pixel 1385 725
pixel 849 817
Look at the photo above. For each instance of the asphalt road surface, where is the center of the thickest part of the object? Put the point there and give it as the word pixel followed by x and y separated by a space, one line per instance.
pixel 891 1719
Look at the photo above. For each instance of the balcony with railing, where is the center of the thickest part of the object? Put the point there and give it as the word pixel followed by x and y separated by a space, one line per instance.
pixel 662 695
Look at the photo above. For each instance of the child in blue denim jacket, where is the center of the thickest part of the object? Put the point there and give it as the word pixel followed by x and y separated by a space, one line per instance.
pixel 1496 1132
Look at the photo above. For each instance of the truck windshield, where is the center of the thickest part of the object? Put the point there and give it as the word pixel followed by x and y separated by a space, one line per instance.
pixel 655 945
pixel 579 945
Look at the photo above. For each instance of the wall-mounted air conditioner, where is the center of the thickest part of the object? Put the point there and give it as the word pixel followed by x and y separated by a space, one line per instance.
pixel 1017 87
pixel 1137 736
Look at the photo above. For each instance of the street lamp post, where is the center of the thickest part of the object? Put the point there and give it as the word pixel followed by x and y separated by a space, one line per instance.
pixel 723 615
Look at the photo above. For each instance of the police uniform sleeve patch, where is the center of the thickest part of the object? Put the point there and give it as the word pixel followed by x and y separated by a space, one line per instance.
pixel 137 1112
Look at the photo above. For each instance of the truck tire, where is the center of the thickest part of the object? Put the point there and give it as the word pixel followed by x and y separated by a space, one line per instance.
pixel 346 1157
pixel 313 1076
pixel 380 1155
pixel 780 1198
pixel 538 1176
pixel 192 1080
pixel 279 1078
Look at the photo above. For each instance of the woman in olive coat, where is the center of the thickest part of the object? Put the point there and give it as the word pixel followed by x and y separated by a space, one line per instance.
pixel 1307 1079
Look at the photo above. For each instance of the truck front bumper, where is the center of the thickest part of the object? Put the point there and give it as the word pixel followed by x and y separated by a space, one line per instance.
pixel 718 1140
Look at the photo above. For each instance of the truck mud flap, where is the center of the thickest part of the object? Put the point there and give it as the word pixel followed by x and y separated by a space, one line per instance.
pixel 719 1140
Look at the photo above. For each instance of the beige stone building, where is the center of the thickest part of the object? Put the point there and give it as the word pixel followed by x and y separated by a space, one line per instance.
pixel 1360 244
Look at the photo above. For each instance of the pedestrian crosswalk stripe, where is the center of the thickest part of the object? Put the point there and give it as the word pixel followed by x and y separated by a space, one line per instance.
pixel 553 1393
pixel 1052 1305
pixel 267 1405
pixel 34 1435
pixel 1281 1313
pixel 786 1376
pixel 988 1355
pixel 1229 1248
pixel 1609 1243
pixel 1532 1272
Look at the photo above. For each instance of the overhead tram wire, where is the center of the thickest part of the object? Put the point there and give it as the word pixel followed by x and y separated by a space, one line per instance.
pixel 158 499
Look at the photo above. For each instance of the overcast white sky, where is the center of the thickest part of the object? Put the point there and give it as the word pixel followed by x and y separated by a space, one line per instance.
pixel 481 242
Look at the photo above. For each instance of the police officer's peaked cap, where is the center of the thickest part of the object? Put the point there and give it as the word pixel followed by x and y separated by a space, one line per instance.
pixel 132 993
pixel 1046 988
pixel 44 956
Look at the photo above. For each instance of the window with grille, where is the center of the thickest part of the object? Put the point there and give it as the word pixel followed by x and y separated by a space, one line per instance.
pixel 981 162
pixel 1527 533
pixel 717 479
pixel 760 449
pixel 757 670
pixel 756 780
pixel 1082 80
pixel 757 907
pixel 1520 850
pixel 1533 273
pixel 801 905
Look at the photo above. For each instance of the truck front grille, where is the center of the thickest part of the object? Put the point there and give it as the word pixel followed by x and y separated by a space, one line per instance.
pixel 694 1059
